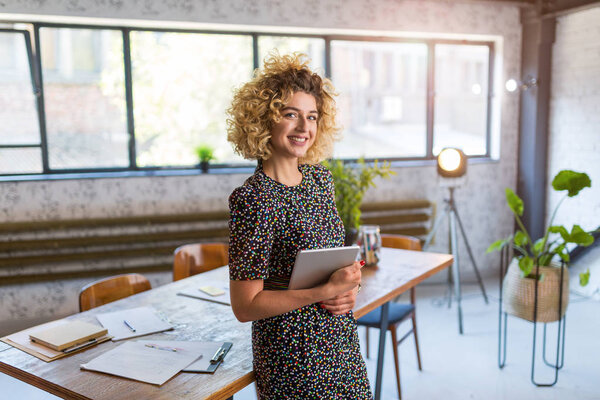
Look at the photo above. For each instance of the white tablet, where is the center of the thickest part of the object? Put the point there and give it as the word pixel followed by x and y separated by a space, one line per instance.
pixel 313 267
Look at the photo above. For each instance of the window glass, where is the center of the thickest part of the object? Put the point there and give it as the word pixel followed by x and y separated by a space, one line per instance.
pixel 84 96
pixel 20 160
pixel 461 93
pixel 382 102
pixel 313 47
pixel 182 85
pixel 18 111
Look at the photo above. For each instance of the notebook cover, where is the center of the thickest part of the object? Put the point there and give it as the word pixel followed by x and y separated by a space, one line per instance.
pixel 67 335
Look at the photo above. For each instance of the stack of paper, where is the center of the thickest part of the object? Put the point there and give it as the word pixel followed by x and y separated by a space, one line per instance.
pixel 69 335
pixel 21 341
pixel 154 361
pixel 133 322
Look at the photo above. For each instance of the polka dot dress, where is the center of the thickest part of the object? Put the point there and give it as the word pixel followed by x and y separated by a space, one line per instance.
pixel 305 353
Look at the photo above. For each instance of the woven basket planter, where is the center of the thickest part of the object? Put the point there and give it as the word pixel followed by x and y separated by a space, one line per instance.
pixel 518 293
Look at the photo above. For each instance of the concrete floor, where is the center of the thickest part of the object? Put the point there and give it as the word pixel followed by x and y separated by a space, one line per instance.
pixel 465 366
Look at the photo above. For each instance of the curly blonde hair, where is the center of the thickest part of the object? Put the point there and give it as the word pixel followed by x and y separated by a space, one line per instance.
pixel 255 108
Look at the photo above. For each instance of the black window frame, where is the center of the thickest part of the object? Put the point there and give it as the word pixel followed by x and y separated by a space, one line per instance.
pixel 36 93
pixel 134 170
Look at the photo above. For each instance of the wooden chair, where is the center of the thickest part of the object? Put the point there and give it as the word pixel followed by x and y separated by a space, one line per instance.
pixel 397 312
pixel 192 259
pixel 111 289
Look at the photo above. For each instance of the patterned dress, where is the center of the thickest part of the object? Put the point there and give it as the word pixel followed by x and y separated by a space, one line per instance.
pixel 306 353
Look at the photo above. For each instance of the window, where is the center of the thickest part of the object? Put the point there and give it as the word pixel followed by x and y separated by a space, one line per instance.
pixel 461 98
pixel 126 99
pixel 84 98
pixel 382 99
pixel 182 85
pixel 20 150
pixel 313 47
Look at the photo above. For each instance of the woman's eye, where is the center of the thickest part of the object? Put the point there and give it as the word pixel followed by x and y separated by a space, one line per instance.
pixel 312 117
pixel 290 115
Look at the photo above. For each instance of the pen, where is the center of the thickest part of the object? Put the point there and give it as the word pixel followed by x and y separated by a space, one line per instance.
pixel 131 328
pixel 79 346
pixel 155 346
pixel 218 356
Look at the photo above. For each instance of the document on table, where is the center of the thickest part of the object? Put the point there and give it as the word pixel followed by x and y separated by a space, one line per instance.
pixel 151 361
pixel 21 341
pixel 215 291
pixel 133 322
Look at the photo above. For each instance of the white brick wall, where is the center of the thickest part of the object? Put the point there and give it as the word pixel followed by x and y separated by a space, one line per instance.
pixel 574 129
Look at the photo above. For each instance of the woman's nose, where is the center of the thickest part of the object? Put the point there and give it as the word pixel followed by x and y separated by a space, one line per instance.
pixel 302 123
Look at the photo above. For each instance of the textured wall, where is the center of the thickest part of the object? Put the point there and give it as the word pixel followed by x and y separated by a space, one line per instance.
pixel 480 201
pixel 575 114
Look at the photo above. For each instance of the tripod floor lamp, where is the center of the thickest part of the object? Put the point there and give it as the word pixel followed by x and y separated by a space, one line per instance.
pixel 452 163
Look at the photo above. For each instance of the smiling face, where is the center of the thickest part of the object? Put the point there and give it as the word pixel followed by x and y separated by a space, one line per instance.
pixel 296 132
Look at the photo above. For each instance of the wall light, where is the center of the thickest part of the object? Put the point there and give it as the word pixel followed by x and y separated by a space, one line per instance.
pixel 529 82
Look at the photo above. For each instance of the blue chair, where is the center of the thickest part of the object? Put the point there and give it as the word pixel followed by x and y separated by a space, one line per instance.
pixel 397 312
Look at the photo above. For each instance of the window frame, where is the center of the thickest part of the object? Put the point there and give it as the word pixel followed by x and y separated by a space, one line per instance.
pixel 36 93
pixel 135 170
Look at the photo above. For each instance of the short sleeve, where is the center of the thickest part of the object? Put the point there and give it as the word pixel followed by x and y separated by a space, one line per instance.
pixel 251 235
pixel 324 179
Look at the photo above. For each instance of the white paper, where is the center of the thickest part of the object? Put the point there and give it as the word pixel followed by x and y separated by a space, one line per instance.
pixel 208 350
pixel 196 293
pixel 134 360
pixel 143 319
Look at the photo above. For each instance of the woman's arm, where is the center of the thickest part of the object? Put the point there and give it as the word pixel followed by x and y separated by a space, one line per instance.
pixel 250 302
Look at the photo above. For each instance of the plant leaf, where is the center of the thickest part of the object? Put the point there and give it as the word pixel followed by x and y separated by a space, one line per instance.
pixel 571 181
pixel 584 278
pixel 545 259
pixel 560 250
pixel 520 239
pixel 580 237
pixel 514 202
pixel 537 246
pixel 526 265
pixel 497 245
pixel 561 230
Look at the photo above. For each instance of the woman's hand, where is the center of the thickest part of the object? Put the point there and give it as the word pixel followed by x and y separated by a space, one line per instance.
pixel 342 303
pixel 345 279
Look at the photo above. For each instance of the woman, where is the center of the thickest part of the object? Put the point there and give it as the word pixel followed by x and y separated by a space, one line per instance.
pixel 305 342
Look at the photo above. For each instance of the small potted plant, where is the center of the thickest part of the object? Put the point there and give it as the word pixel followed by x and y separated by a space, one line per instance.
pixel 540 259
pixel 205 154
pixel 351 184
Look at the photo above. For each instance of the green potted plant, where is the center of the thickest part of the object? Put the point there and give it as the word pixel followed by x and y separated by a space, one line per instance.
pixel 351 184
pixel 539 259
pixel 205 154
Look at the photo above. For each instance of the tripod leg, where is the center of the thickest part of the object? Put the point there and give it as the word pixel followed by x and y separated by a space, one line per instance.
pixel 435 227
pixel 456 270
pixel 464 235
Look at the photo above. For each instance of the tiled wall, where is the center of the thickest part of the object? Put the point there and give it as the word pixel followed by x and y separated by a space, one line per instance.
pixel 481 200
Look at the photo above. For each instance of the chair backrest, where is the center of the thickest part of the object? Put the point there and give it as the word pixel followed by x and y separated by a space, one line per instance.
pixel 401 242
pixel 195 258
pixel 111 289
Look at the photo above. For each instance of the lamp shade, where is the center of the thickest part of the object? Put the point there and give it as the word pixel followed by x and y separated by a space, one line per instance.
pixel 451 163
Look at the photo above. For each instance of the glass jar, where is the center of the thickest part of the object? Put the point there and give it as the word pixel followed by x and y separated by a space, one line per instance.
pixel 369 240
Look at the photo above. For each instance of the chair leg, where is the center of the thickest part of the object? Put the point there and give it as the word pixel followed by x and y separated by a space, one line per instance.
pixel 392 328
pixel 367 344
pixel 414 322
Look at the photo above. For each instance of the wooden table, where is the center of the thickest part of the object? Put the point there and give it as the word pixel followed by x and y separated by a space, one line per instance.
pixel 398 271
pixel 193 320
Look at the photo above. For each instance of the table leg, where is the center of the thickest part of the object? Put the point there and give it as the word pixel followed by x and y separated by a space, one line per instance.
pixel 381 353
